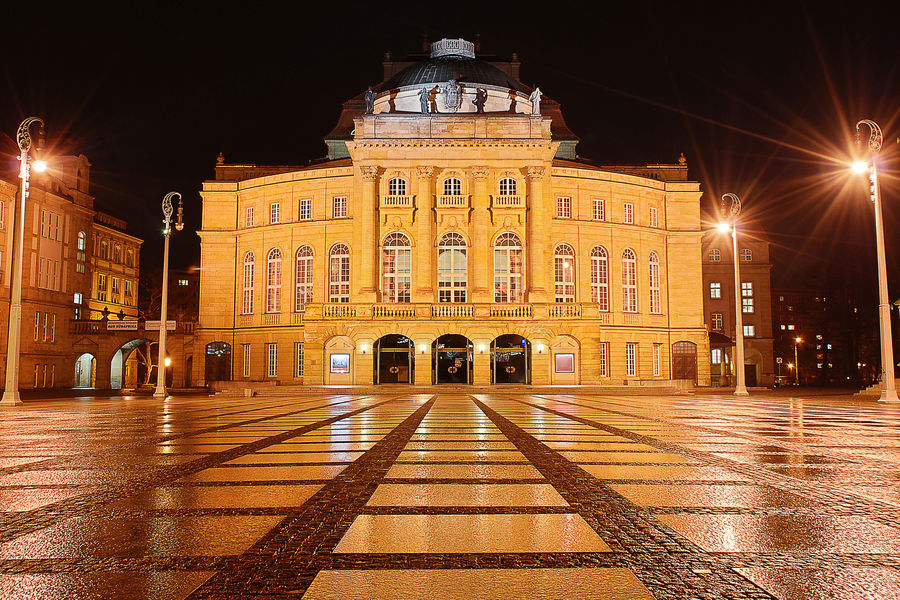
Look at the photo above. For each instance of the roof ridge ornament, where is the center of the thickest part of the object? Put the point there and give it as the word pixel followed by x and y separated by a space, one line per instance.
pixel 453 47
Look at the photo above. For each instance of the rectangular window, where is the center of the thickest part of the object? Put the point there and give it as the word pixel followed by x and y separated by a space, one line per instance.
pixel 715 356
pixel 53 327
pixel 657 351
pixel 604 364
pixel 654 222
pixel 715 289
pixel 127 291
pixel 249 220
pixel 630 364
pixel 716 322
pixel 747 255
pixel 46 334
pixel 2 214
pixel 629 213
pixel 52 375
pixel 272 360
pixel 101 287
pixel 37 369
pixel 77 298
pixel 305 212
pixel 275 213
pixel 117 253
pixel 747 297
pixel 749 330
pixel 115 287
pixel 339 207
pixel 564 207
pixel 599 209
pixel 298 356
pixel 37 326
pixel 564 363
pixel 246 357
pixel 715 255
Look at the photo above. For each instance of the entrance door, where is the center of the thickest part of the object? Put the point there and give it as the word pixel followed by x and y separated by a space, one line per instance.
pixel 218 361
pixel 452 359
pixel 684 361
pixel 393 359
pixel 750 375
pixel 511 359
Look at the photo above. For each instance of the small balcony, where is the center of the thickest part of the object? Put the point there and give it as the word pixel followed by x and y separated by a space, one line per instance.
pixel 507 202
pixel 394 311
pixel 452 311
pixel 397 201
pixel 453 201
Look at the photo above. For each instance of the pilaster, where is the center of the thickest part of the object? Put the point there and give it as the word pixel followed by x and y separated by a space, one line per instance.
pixel 365 244
pixel 423 268
pixel 480 263
pixel 536 237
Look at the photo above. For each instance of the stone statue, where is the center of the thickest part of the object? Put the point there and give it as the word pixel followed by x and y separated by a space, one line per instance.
pixel 370 101
pixel 452 95
pixel 535 98
pixel 424 100
pixel 480 100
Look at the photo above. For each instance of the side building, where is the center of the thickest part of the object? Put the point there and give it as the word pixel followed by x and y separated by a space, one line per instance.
pixel 451 236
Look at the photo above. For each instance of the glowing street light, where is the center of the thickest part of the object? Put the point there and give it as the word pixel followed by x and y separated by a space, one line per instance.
pixel 797 341
pixel 14 337
pixel 889 390
pixel 163 361
pixel 740 389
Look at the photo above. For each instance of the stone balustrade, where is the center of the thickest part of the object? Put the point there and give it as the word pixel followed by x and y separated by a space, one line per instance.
pixel 452 201
pixel 397 201
pixel 507 202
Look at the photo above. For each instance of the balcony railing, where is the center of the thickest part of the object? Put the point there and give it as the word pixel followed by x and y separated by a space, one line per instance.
pixel 393 311
pixel 397 201
pixel 338 311
pixel 568 311
pixel 452 201
pixel 511 311
pixel 452 311
pixel 273 319
pixel 507 201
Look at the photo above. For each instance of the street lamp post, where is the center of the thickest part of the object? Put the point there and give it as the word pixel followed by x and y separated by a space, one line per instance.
pixel 161 360
pixel 14 337
pixel 889 389
pixel 740 389
pixel 796 362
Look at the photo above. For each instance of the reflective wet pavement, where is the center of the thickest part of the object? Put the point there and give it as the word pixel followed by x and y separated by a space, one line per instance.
pixel 450 495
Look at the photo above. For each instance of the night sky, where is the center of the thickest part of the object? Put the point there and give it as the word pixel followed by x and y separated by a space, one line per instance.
pixel 761 98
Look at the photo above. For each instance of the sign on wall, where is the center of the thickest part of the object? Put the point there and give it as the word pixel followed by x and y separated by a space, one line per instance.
pixel 154 325
pixel 121 325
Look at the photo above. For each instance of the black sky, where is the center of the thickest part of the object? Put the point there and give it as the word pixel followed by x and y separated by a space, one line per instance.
pixel 757 95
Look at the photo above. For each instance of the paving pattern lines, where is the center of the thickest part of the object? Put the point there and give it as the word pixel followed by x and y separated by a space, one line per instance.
pixel 15 524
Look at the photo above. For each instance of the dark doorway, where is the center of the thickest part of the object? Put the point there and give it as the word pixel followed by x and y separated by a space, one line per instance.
pixel 394 359
pixel 511 359
pixel 750 375
pixel 452 359
pixel 218 361
pixel 188 371
pixel 684 361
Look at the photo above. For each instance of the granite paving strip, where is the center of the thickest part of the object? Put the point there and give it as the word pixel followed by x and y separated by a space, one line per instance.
pixel 286 560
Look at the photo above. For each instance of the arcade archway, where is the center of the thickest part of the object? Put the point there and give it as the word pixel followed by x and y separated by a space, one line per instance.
pixel 394 359
pixel 510 359
pixel 452 357
pixel 124 366
pixel 85 371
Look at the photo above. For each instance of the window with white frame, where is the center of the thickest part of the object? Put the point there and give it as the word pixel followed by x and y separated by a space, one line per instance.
pixel 273 281
pixel 37 325
pixel 746 255
pixel 101 287
pixel 657 354
pixel 564 272
pixel 630 359
pixel 114 288
pixel 339 207
pixel 80 241
pixel 564 207
pixel 715 289
pixel 245 348
pixel 599 209
pixel 275 213
pixel 600 278
pixel 655 307
pixel 604 359
pixel 629 213
pixel 45 336
pixel 248 220
pixel 396 269
pixel 508 268
pixel 452 269
pixel 452 186
pixel 339 274
pixel 298 358
pixel 304 276
pixel 397 186
pixel 716 321
pixel 272 360
pixel 749 330
pixel 654 220
pixel 747 296
pixel 305 211
pixel 715 255
pixel 715 356
pixel 249 275
pixel 629 281
pixel 508 186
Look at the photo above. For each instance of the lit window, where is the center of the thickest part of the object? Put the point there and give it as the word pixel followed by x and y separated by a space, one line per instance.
pixel 747 296
pixel 599 210
pixel 339 207
pixel 783 327
pixel 629 281
pixel 452 186
pixel 508 268
pixel 716 321
pixel 275 213
pixel 715 356
pixel 564 207
pixel 452 270
pixel 629 213
pixel 604 366
pixel 746 255
pixel 600 278
pixel 564 269
pixel 790 327
pixel 298 357
pixel 78 298
pixel 304 276
pixel 828 346
pixel 339 274
pixel 749 330
pixel 654 284
pixel 715 289
pixel 249 220
pixel 507 186
pixel 246 356
pixel 273 281
pixel 397 186
pixel 715 255
pixel 396 269
pixel 272 360
pixel 305 212
pixel 656 359
pixel 654 221
pixel 630 362
pixel 79 242
pixel 183 282
pixel 249 272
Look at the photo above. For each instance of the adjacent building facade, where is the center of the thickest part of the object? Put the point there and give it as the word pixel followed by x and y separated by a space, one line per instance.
pixel 451 236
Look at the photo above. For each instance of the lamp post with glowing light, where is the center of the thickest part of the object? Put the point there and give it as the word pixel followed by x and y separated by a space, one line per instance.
pixel 889 389
pixel 797 362
pixel 14 337
pixel 162 362
pixel 740 389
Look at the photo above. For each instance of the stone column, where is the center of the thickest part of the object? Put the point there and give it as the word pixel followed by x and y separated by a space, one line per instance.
pixel 481 363
pixel 536 224
pixel 424 272
pixel 479 255
pixel 365 243
pixel 423 362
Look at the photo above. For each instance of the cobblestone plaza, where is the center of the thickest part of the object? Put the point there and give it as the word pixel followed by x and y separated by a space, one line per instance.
pixel 450 494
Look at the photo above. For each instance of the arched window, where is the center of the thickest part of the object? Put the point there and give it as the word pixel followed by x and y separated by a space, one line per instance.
pixel 273 281
pixel 508 268
pixel 396 269
pixel 654 283
pixel 339 274
pixel 452 186
pixel 564 270
pixel 507 186
pixel 715 255
pixel 452 268
pixel 600 278
pixel 304 278
pixel 81 240
pixel 397 186
pixel 629 281
pixel 247 296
